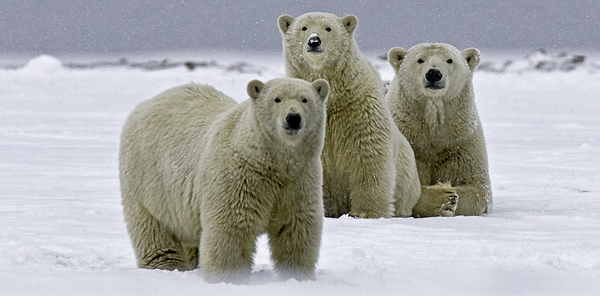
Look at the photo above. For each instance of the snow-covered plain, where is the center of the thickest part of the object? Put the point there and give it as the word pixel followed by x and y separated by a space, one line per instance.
pixel 62 225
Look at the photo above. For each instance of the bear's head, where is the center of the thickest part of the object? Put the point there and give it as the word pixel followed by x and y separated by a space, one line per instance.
pixel 317 39
pixel 290 109
pixel 435 70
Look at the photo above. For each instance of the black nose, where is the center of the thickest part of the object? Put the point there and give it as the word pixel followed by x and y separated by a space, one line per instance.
pixel 314 41
pixel 293 120
pixel 433 75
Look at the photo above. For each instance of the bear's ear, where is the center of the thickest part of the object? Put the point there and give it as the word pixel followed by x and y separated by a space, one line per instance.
pixel 472 56
pixel 350 21
pixel 322 88
pixel 284 22
pixel 396 57
pixel 254 88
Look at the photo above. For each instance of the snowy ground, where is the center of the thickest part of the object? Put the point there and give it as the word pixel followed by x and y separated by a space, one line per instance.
pixel 63 231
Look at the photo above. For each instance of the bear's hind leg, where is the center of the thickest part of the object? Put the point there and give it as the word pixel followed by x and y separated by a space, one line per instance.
pixel 155 247
pixel 192 256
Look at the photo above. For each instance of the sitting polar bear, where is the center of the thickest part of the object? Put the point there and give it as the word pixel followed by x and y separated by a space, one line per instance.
pixel 200 172
pixel 432 101
pixel 368 166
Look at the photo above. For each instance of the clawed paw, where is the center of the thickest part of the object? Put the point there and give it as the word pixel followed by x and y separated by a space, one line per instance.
pixel 437 200
pixel 364 215
pixel 448 209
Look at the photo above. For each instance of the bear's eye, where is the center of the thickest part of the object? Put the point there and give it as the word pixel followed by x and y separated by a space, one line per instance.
pixel 420 61
pixel 449 61
pixel 328 29
pixel 277 100
pixel 304 101
pixel 304 29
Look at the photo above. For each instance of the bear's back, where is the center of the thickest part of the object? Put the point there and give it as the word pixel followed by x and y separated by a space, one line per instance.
pixel 162 141
pixel 193 101
pixel 179 111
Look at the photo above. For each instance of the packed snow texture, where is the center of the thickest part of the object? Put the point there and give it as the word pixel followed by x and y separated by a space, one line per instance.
pixel 63 231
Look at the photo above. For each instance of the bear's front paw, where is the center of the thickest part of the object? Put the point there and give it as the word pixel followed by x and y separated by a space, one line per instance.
pixel 299 275
pixel 448 208
pixel 437 200
pixel 366 215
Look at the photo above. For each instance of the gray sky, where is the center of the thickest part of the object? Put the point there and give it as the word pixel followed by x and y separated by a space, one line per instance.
pixel 133 26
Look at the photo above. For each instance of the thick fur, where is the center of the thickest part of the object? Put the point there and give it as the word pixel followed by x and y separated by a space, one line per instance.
pixel 203 176
pixel 441 123
pixel 369 168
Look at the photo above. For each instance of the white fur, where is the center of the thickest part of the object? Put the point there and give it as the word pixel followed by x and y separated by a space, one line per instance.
pixel 202 177
pixel 442 126
pixel 369 167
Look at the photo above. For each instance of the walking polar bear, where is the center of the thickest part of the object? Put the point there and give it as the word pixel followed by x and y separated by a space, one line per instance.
pixel 202 176
pixel 368 166
pixel 433 104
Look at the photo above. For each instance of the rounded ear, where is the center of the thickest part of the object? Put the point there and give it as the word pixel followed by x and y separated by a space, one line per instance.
pixel 322 88
pixel 254 88
pixel 396 56
pixel 472 56
pixel 284 22
pixel 350 21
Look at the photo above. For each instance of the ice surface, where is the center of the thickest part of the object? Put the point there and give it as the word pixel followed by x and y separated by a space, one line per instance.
pixel 63 231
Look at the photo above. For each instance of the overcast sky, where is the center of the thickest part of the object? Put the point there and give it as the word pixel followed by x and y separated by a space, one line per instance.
pixel 134 26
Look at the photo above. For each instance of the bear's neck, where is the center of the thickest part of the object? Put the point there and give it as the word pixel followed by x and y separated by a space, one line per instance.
pixel 345 76
pixel 448 119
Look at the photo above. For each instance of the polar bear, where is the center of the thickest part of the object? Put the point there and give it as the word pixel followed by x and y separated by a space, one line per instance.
pixel 368 166
pixel 433 104
pixel 200 172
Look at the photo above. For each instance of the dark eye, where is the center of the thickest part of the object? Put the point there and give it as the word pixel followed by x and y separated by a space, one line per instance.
pixel 328 29
pixel 304 29
pixel 449 61
pixel 420 61
pixel 277 100
pixel 304 101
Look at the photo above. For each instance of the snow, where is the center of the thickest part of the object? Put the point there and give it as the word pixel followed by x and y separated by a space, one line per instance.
pixel 64 233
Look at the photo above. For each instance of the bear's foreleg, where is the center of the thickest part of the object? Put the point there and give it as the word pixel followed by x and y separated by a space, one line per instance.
pixel 226 251
pixel 295 239
pixel 372 186
pixel 231 224
pixel 336 194
pixel 467 172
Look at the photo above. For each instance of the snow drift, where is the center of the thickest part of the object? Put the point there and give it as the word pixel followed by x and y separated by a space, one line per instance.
pixel 63 231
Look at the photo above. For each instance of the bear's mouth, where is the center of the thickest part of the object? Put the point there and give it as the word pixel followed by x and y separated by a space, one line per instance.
pixel 314 50
pixel 290 131
pixel 434 86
